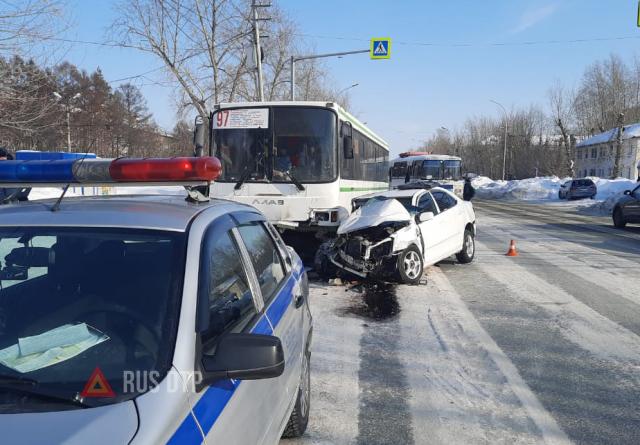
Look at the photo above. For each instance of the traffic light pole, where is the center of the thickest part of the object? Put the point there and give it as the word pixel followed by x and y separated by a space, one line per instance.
pixel 295 59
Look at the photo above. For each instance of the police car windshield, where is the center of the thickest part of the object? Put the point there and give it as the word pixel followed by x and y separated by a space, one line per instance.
pixel 75 300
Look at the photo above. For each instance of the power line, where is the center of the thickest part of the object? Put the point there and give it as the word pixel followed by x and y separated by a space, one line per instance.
pixel 477 45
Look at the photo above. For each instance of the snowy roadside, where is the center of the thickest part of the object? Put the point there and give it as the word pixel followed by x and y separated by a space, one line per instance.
pixel 544 190
pixel 55 192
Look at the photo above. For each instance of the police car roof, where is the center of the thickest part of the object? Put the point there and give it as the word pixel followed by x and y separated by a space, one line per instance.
pixel 157 212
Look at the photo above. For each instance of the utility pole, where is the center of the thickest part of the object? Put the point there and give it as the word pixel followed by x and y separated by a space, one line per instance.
pixel 506 134
pixel 67 104
pixel 618 154
pixel 257 48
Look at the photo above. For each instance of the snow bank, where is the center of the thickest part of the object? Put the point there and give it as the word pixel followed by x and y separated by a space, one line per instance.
pixel 542 188
pixel 546 189
pixel 55 192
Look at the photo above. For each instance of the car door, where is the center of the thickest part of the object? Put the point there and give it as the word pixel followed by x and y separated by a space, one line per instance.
pixel 632 206
pixel 432 231
pixel 452 222
pixel 229 300
pixel 283 306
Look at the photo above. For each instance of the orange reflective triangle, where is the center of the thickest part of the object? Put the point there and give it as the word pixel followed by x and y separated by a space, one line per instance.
pixel 97 386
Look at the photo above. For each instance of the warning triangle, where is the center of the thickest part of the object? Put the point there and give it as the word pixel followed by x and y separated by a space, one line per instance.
pixel 380 50
pixel 97 386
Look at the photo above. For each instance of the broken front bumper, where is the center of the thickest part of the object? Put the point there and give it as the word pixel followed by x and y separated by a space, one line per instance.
pixel 364 259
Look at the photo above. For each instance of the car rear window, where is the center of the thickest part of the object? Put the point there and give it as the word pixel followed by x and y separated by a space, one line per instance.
pixel 582 183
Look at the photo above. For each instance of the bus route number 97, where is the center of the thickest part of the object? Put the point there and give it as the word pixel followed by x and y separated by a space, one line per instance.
pixel 222 118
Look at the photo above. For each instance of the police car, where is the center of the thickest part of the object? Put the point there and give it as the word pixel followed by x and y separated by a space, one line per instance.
pixel 147 319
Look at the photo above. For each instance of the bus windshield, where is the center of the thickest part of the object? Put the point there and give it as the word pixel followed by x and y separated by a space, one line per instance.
pixel 299 143
pixel 431 168
pixel 451 170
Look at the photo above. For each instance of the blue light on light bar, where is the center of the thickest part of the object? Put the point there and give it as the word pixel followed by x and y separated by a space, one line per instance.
pixel 37 171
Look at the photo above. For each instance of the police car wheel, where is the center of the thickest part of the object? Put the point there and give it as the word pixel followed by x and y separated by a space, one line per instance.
pixel 299 419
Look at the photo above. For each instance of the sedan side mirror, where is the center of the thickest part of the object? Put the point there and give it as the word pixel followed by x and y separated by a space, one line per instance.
pixel 627 192
pixel 426 216
pixel 244 357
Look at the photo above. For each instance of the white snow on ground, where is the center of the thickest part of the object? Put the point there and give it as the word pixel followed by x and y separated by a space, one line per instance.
pixel 55 192
pixel 545 190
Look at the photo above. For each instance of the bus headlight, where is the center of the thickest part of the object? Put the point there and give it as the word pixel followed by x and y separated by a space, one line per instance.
pixel 326 217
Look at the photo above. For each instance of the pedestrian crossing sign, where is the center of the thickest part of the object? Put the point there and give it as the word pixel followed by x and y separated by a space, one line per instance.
pixel 380 48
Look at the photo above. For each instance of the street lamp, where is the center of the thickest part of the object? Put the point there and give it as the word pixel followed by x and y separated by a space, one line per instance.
pixel 67 107
pixel 504 153
pixel 348 88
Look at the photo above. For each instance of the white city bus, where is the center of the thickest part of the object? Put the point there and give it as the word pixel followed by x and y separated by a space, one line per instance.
pixel 414 166
pixel 300 163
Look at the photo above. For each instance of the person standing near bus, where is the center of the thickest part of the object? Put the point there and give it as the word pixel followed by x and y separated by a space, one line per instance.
pixel 468 192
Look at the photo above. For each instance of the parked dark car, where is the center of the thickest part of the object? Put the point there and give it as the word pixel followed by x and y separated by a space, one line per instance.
pixel 627 209
pixel 578 189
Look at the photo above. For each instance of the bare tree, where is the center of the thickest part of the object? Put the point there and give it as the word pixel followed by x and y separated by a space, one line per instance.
pixel 24 22
pixel 24 87
pixel 561 107
pixel 205 47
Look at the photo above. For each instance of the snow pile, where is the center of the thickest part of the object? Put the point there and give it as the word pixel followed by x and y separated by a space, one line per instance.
pixel 610 190
pixel 51 192
pixel 55 192
pixel 542 188
pixel 546 189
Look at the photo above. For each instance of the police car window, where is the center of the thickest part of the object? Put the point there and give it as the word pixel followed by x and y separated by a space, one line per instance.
pixel 264 257
pixel 444 200
pixel 230 298
pixel 426 204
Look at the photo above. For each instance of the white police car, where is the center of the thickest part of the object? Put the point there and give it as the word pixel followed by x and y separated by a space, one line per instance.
pixel 147 319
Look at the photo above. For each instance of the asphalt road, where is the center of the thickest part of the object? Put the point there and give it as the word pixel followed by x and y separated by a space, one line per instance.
pixel 540 348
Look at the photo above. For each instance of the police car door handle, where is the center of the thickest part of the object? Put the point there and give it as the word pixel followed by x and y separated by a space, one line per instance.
pixel 298 300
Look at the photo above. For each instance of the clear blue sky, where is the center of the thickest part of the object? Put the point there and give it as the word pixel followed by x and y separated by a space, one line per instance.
pixel 422 87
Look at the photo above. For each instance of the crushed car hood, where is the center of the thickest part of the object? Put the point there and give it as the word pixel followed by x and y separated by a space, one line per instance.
pixel 374 213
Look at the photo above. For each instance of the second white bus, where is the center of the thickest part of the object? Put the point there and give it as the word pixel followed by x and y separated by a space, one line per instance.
pixel 414 166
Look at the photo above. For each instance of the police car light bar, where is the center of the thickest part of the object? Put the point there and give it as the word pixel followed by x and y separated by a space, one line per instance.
pixel 105 171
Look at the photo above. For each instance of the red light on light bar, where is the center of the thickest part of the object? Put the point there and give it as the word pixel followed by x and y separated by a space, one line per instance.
pixel 158 170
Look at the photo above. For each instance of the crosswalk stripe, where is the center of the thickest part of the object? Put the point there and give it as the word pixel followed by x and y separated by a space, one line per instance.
pixel 551 432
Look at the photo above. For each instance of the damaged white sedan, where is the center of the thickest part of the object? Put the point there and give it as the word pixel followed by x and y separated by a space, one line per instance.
pixel 397 233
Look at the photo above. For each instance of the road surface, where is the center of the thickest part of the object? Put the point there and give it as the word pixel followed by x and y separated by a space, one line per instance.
pixel 540 348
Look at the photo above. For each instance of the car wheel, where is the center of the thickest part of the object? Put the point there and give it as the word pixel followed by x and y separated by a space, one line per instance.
pixel 468 248
pixel 560 195
pixel 299 418
pixel 410 265
pixel 618 218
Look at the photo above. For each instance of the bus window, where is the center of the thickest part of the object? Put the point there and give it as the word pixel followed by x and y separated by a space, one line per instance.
pixel 399 170
pixel 431 167
pixel 451 170
pixel 304 144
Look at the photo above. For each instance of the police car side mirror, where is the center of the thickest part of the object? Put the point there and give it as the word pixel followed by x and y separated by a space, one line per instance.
pixel 244 357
